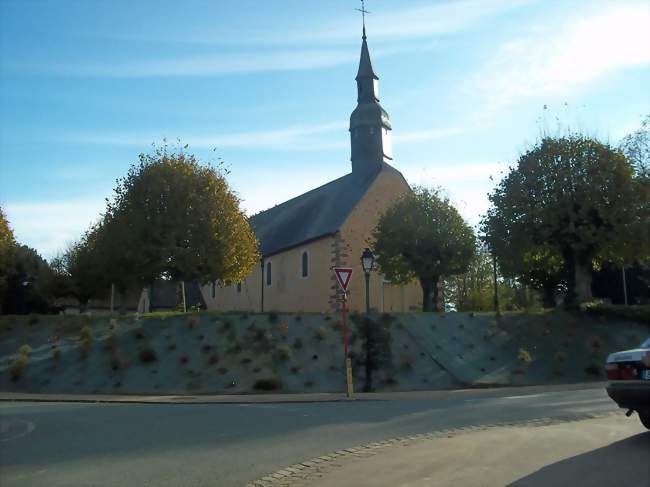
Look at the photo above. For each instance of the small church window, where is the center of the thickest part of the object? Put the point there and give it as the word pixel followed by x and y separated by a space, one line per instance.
pixel 268 274
pixel 304 265
pixel 214 289
pixel 239 287
pixel 372 130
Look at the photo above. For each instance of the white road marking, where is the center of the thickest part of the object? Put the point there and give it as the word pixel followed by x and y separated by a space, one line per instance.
pixel 24 428
pixel 523 397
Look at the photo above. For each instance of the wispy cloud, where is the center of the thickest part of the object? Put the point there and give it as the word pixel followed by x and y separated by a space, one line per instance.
pixel 424 135
pixel 50 225
pixel 450 172
pixel 293 138
pixel 288 49
pixel 556 59
pixel 298 137
pixel 196 65
pixel 393 23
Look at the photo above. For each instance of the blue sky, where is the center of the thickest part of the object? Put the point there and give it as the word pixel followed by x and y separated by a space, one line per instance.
pixel 85 86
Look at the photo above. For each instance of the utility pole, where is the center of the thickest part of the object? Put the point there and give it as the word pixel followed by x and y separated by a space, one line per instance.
pixel 262 288
pixel 496 288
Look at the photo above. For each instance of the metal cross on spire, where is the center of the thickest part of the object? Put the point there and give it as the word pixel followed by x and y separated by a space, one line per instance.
pixel 363 16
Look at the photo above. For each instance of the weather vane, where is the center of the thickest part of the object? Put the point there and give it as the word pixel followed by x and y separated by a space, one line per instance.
pixel 363 16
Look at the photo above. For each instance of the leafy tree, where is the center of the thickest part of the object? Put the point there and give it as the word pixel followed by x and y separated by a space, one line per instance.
pixel 539 267
pixel 28 283
pixel 570 200
pixel 7 250
pixel 474 290
pixel 636 147
pixel 172 217
pixel 423 237
pixel 79 272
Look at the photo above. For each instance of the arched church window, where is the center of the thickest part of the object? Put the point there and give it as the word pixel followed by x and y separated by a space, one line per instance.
pixel 372 130
pixel 239 287
pixel 304 268
pixel 214 289
pixel 268 274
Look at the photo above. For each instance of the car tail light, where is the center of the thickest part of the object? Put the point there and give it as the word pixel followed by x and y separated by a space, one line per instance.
pixel 620 372
pixel 627 373
pixel 612 371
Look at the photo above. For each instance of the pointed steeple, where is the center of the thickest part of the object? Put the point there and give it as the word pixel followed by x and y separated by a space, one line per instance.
pixel 370 130
pixel 365 65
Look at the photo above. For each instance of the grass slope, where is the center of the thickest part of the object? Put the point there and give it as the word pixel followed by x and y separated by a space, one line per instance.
pixel 175 353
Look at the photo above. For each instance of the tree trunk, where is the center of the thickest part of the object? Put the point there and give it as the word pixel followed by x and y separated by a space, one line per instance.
pixel 122 294
pixel 583 282
pixel 579 281
pixel 430 294
pixel 548 294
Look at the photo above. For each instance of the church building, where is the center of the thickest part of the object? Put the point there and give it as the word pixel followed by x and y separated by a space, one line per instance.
pixel 302 239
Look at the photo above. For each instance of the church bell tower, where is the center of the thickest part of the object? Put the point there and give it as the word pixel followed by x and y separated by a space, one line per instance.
pixel 370 130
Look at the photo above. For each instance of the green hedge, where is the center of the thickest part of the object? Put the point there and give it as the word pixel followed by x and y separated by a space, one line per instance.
pixel 638 313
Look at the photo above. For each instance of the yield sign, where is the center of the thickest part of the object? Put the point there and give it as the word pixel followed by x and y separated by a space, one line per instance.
pixel 343 275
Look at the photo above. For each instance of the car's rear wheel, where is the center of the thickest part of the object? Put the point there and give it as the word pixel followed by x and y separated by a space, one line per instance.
pixel 644 416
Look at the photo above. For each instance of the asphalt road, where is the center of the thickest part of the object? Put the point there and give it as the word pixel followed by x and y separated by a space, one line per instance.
pixel 65 444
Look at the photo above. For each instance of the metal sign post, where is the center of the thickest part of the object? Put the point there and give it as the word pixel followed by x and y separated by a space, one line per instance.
pixel 343 275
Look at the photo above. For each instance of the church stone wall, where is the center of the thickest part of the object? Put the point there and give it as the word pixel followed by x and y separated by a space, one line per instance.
pixel 355 235
pixel 319 291
pixel 289 291
pixel 234 298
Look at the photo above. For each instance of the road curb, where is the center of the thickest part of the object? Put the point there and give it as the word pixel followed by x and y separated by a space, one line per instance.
pixel 303 472
pixel 288 398
pixel 181 401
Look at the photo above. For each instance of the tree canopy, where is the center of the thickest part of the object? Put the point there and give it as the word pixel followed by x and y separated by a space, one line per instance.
pixel 78 271
pixel 422 236
pixel 474 290
pixel 569 201
pixel 172 217
pixel 636 147
pixel 7 250
pixel 28 283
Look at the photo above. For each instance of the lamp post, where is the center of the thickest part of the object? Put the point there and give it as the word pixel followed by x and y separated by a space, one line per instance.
pixel 367 262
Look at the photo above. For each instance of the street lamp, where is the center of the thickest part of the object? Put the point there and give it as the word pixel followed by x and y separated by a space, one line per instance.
pixel 367 262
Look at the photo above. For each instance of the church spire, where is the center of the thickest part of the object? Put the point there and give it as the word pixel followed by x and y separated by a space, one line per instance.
pixel 365 65
pixel 370 130
pixel 365 74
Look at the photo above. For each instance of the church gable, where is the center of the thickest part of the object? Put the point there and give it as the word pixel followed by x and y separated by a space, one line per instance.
pixel 310 216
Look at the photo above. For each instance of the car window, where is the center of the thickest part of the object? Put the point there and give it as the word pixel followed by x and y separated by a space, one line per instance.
pixel 646 344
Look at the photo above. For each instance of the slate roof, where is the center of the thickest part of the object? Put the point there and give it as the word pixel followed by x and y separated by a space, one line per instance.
pixel 310 216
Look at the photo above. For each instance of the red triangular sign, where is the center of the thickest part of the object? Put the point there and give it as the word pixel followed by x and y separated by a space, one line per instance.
pixel 343 275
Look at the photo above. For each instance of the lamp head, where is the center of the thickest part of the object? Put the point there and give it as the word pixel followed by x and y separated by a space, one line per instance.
pixel 367 260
